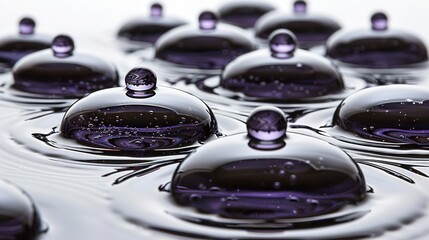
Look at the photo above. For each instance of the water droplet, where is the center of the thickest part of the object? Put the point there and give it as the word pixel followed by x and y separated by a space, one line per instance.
pixel 243 14
pixel 282 43
pixel 140 112
pixel 404 122
pixel 62 46
pixel 156 10
pixel 207 20
pixel 231 164
pixel 299 6
pixel 379 21
pixel 27 26
pixel 266 124
pixel 140 79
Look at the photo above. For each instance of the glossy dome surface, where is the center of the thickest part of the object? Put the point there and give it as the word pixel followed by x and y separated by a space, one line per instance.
pixel 13 48
pixel 231 178
pixel 149 29
pixel 139 120
pixel 394 113
pixel 378 47
pixel 243 14
pixel 311 30
pixel 19 218
pixel 282 73
pixel 58 74
pixel 197 47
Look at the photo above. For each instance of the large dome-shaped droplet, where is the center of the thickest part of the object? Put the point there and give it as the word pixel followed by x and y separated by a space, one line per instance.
pixel 231 178
pixel 13 48
pixel 62 73
pixel 62 46
pixel 140 118
pixel 310 29
pixel 211 45
pixel 377 47
pixel 19 217
pixel 379 21
pixel 282 73
pixel 282 43
pixel 395 113
pixel 27 26
pixel 243 13
pixel 149 29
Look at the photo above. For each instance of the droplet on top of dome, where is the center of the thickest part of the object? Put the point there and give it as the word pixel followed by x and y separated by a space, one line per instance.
pixel 282 43
pixel 62 73
pixel 149 29
pixel 156 10
pixel 140 79
pixel 266 124
pixel 19 217
pixel 207 20
pixel 289 180
pixel 282 72
pixel 394 113
pixel 209 46
pixel 379 21
pixel 310 29
pixel 300 6
pixel 140 118
pixel 27 26
pixel 378 47
pixel 13 48
pixel 62 46
pixel 243 14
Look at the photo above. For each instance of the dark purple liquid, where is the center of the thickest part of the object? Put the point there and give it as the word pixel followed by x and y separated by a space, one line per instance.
pixel 377 49
pixel 205 49
pixel 243 14
pixel 396 113
pixel 230 178
pixel 304 75
pixel 119 120
pixel 14 48
pixel 19 218
pixel 310 30
pixel 148 29
pixel 63 77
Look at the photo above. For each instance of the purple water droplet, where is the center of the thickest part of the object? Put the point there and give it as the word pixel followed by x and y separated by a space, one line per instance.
pixel 282 43
pixel 243 14
pixel 62 46
pixel 156 10
pixel 379 21
pixel 140 79
pixel 395 113
pixel 301 189
pixel 266 124
pixel 299 6
pixel 140 119
pixel 27 26
pixel 207 20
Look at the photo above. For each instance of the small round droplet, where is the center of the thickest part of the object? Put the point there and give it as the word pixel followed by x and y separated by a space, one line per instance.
pixel 266 124
pixel 156 10
pixel 140 79
pixel 379 21
pixel 300 6
pixel 282 43
pixel 207 20
pixel 27 26
pixel 62 46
